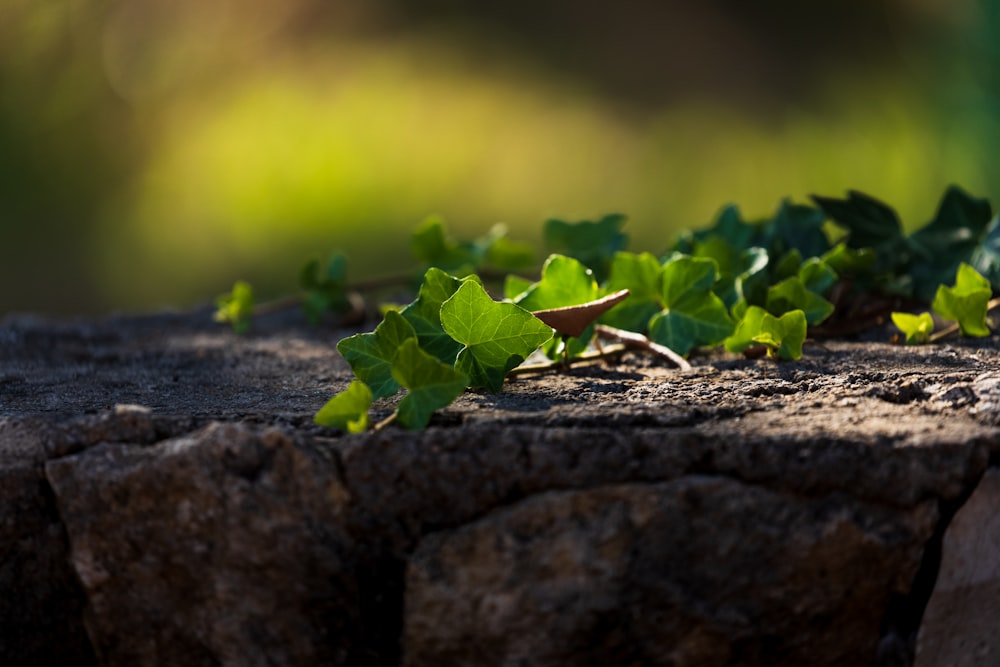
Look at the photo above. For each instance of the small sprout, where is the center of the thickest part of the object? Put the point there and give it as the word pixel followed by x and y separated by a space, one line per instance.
pixel 965 302
pixel 916 328
pixel 347 410
pixel 236 307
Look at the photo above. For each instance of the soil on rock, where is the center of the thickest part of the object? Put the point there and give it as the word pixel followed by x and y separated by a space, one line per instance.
pixel 180 495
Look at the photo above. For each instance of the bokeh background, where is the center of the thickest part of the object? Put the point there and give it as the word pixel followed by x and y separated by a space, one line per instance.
pixel 153 151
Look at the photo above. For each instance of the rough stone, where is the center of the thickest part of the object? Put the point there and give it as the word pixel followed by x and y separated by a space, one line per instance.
pixel 697 571
pixel 168 500
pixel 962 624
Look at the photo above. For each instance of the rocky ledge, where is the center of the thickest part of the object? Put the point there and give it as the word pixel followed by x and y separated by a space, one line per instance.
pixel 166 500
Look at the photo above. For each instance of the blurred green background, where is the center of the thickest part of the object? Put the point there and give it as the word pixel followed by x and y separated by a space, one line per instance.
pixel 153 151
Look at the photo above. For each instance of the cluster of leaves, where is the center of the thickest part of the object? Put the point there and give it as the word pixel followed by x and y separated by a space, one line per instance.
pixel 751 286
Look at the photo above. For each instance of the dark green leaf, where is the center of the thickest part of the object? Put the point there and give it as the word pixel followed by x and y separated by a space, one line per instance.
pixel 693 315
pixel 948 240
pixel 432 246
pixel 817 276
pixel 430 384
pixel 325 287
pixel 869 222
pixel 593 243
pixel 850 262
pixel 798 227
pixel 371 354
pixel 424 314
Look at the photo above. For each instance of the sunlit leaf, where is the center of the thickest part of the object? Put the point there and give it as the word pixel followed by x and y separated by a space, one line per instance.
pixel 564 282
pixel 965 302
pixel 347 410
pixel 783 336
pixel 370 354
pixel 496 336
pixel 640 274
pixel 430 384
pixel 917 328
pixel 236 307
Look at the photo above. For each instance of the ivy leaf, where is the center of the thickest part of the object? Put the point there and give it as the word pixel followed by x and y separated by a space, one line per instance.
pixel 949 239
pixel 640 275
pixel 787 266
pixel 917 328
pixel 503 253
pixel 817 276
pixel 869 222
pixel 347 410
pixel 783 336
pixel 798 227
pixel 564 282
pixel 965 302
pixel 515 286
pixel 432 246
pixel 693 315
pixel 986 257
pixel 593 243
pixel 430 384
pixel 236 307
pixel 790 294
pixel 424 314
pixel 325 287
pixel 370 354
pixel 496 336
pixel 850 262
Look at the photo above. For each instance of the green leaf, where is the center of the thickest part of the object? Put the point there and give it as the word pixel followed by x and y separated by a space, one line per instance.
pixel 236 307
pixel 564 282
pixel 817 276
pixel 798 227
pixel 496 336
pixel 430 384
pixel 370 354
pixel 693 315
pixel 593 243
pixel 640 274
pixel 918 328
pixel 790 294
pixel 850 262
pixel 424 314
pixel 506 255
pixel 965 302
pixel 869 222
pixel 986 257
pixel 515 286
pixel 949 239
pixel 787 266
pixel 325 287
pixel 347 410
pixel 432 246
pixel 782 336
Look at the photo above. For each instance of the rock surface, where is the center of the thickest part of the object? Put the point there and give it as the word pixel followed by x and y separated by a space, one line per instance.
pixel 167 500
pixel 962 624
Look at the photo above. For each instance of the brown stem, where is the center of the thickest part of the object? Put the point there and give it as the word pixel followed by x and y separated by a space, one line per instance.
pixel 385 422
pixel 636 340
pixel 562 364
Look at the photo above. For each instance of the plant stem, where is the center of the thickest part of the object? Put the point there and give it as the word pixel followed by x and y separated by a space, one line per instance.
pixel 563 364
pixel 637 340
pixel 385 422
